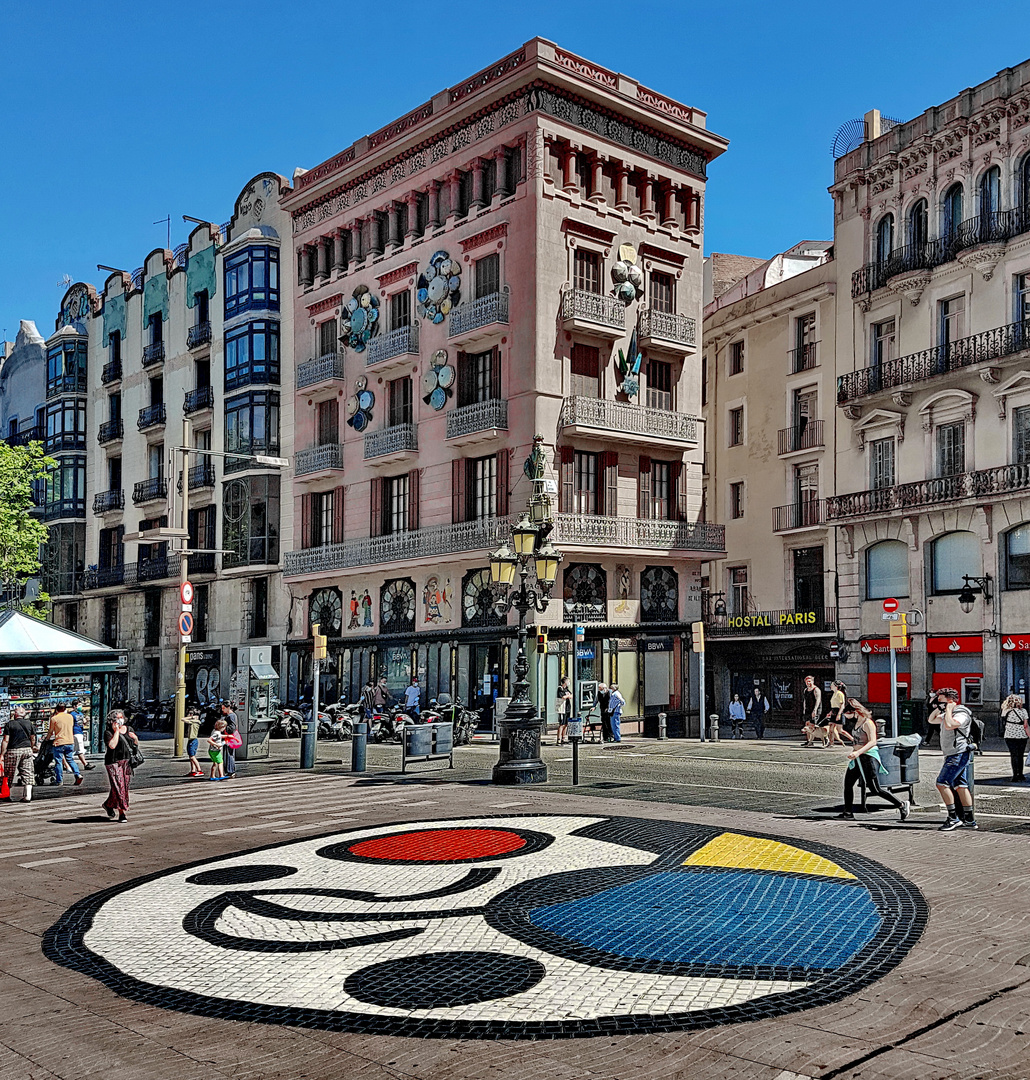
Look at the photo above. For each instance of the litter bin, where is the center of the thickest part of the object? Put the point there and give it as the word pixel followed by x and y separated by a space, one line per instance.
pixel 902 765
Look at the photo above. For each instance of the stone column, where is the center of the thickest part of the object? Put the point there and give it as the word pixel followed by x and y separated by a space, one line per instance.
pixel 394 225
pixel 647 197
pixel 477 184
pixel 339 252
pixel 434 204
pixel 412 200
pixel 621 185
pixel 454 186
pixel 305 265
pixel 569 181
pixel 693 211
pixel 596 180
pixel 667 205
pixel 355 241
pixel 501 189
pixel 375 236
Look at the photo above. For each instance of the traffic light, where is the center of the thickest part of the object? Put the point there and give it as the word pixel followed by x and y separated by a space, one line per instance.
pixel 541 639
pixel 697 631
pixel 321 642
pixel 899 632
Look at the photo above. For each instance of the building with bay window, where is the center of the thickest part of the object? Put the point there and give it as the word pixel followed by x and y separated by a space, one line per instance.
pixel 471 275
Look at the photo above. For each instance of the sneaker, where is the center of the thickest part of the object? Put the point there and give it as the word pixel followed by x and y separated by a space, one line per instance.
pixel 906 809
pixel 846 816
pixel 950 825
pixel 78 779
pixel 970 824
pixel 89 766
pixel 110 813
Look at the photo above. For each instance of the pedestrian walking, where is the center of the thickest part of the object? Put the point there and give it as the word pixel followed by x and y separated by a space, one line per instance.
pixel 616 702
pixel 1016 733
pixel 215 750
pixel 604 703
pixel 62 737
pixel 79 730
pixel 835 717
pixel 191 728
pixel 413 697
pixel 865 766
pixel 381 695
pixel 231 741
pixel 118 741
pixel 737 717
pixel 16 750
pixel 757 709
pixel 955 723
pixel 368 699
pixel 563 707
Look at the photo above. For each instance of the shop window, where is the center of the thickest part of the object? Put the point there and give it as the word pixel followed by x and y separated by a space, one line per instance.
pixel 952 556
pixel 886 570
pixel 1017 557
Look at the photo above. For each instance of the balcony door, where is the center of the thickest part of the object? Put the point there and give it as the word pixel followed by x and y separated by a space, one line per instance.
pixel 808 579
pixel 585 378
pixel 804 408
pixel 806 494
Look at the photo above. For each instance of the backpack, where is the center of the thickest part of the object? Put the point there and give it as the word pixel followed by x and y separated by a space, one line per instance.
pixel 977 731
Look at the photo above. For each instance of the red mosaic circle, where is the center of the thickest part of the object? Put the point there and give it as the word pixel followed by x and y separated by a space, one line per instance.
pixel 440 845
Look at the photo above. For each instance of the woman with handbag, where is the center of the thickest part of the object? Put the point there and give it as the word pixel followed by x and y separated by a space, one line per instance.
pixel 1016 733
pixel 122 749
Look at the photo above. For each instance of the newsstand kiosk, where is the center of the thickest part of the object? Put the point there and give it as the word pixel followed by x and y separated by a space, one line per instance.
pixel 255 699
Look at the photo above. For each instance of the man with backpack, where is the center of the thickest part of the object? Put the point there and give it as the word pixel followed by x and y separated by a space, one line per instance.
pixel 959 737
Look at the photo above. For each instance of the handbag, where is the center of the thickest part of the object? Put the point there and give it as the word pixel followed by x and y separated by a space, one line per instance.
pixel 136 757
pixel 234 741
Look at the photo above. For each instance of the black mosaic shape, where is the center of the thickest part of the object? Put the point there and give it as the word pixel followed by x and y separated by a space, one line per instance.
pixel 241 875
pixel 444 980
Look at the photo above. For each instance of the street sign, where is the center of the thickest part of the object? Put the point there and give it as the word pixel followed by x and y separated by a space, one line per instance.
pixel 890 604
pixel 581 633
pixel 834 650
pixel 186 592
pixel 185 624
pixel 889 616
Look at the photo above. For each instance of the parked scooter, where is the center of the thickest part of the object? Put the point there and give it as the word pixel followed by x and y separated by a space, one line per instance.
pixel 389 726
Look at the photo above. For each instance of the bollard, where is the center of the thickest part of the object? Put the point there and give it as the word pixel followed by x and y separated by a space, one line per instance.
pixel 308 743
pixel 713 726
pixel 357 747
pixel 575 737
pixel 663 725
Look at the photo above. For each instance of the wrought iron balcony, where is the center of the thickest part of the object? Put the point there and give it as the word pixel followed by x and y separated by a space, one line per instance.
pixel 158 567
pixel 105 501
pixel 112 372
pixel 804 358
pixel 201 476
pixel 198 335
pixel 203 397
pixel 398 547
pixel 929 493
pixel 800 437
pixel 150 490
pixel 391 440
pixel 400 342
pixel 478 314
pixel 623 418
pixel 318 459
pixel 151 416
pixel 917 367
pixel 799 515
pixel 28 435
pixel 596 311
pixel 103 577
pixel 321 369
pixel 153 354
pixel 110 430
pixel 477 418
pixel 666 327
pixel 770 623
pixel 627 532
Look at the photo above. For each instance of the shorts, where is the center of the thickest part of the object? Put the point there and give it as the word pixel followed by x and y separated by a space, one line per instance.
pixel 191 747
pixel 215 754
pixel 80 743
pixel 953 774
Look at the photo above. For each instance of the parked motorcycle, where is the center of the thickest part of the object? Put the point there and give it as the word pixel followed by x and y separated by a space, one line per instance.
pixel 389 726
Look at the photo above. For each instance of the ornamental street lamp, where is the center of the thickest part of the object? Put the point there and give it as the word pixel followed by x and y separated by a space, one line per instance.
pixel 520 728
pixel 967 597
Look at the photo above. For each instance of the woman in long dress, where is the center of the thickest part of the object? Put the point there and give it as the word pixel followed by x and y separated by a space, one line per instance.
pixel 118 739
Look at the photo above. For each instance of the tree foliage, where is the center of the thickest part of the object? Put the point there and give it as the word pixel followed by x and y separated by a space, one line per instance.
pixel 21 533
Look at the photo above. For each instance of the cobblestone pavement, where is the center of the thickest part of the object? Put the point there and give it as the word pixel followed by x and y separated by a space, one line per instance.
pixel 761 938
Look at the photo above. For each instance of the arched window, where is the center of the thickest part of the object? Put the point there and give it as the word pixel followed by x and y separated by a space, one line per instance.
pixel 952 556
pixel 918 224
pixel 1023 194
pixel 952 209
pixel 886 570
pixel 1017 557
pixel 884 238
pixel 990 191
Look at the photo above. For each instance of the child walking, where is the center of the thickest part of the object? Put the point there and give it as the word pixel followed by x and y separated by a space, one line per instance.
pixel 215 744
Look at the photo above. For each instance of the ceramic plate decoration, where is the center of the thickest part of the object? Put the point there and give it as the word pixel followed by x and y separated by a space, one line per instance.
pixel 360 319
pixel 438 288
pixel 437 382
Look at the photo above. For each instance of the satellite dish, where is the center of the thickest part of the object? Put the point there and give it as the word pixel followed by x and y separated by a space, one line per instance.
pixel 851 135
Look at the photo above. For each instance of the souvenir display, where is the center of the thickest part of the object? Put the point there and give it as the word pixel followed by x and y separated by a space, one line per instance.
pixel 360 320
pixel 438 288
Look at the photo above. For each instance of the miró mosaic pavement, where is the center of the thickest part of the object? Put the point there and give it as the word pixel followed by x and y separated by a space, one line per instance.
pixel 528 926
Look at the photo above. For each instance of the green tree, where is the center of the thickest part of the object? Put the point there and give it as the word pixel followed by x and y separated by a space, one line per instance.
pixel 21 534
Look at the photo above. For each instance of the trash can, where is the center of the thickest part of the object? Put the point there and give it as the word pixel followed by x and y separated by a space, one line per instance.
pixel 901 763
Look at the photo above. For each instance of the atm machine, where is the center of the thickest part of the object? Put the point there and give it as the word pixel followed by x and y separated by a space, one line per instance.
pixel 255 698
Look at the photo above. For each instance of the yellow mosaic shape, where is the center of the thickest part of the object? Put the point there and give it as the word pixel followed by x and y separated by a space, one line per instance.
pixel 753 853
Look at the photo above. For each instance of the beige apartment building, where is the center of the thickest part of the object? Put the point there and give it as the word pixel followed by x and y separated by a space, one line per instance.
pixel 932 245
pixel 769 401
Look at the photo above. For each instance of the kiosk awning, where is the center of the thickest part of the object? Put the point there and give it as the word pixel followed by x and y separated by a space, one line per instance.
pixel 263 671
pixel 30 646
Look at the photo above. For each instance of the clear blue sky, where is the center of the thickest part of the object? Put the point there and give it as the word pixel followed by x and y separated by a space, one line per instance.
pixel 113 116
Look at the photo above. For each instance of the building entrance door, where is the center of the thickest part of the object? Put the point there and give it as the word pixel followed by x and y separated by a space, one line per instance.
pixel 484 680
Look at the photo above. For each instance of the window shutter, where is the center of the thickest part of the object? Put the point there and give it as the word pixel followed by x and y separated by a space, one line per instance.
pixel 567 501
pixel 644 487
pixel 413 498
pixel 610 484
pixel 495 375
pixel 305 520
pixel 458 500
pixel 376 507
pixel 502 482
pixel 119 550
pixel 677 492
pixel 338 515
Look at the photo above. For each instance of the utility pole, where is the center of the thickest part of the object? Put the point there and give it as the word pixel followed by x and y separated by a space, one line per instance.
pixel 697 631
pixel 184 577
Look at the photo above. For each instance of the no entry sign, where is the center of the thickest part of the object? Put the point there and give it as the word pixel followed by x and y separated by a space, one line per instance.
pixel 890 604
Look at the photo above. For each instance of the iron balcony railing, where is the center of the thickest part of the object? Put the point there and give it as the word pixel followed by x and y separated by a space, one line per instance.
pixel 991 228
pixel 800 437
pixel 399 547
pixel 112 372
pixel 29 435
pixel 103 577
pixel 804 357
pixel 391 440
pixel 626 418
pixel 152 354
pixel 479 416
pixel 198 335
pixel 594 307
pixel 317 458
pixel 321 369
pixel 393 343
pixel 151 416
pixel 475 314
pixel 638 532
pixel 201 476
pixel 105 501
pixel 938 360
pixel 149 490
pixel 203 397
pixel 60 582
pixel 799 515
pixel 110 430
pixel 786 621
pixel 667 326
pixel 1001 480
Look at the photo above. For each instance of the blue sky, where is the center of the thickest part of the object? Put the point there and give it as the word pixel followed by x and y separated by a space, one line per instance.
pixel 113 117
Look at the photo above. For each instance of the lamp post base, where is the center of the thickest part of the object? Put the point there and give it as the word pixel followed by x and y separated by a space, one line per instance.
pixel 519 759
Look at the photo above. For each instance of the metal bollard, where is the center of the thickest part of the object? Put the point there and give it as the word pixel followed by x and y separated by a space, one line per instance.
pixel 359 741
pixel 713 726
pixel 308 744
pixel 663 725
